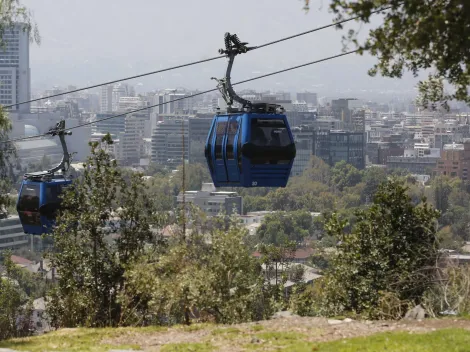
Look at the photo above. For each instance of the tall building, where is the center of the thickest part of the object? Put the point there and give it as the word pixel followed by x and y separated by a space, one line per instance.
pixel 198 131
pixel 172 102
pixel 106 98
pixel 111 125
pixel 131 142
pixel 454 161
pixel 303 138
pixel 121 90
pixel 15 73
pixel 11 234
pixel 308 97
pixel 335 146
pixel 167 141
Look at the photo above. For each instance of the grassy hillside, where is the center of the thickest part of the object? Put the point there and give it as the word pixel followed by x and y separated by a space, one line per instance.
pixel 287 334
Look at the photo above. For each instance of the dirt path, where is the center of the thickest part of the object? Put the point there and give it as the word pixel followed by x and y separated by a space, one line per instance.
pixel 233 338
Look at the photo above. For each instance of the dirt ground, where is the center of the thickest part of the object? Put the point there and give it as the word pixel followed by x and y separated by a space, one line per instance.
pixel 231 338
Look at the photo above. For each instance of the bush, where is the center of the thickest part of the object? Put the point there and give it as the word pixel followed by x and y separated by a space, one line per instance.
pixel 308 300
pixel 450 293
pixel 196 279
pixel 392 248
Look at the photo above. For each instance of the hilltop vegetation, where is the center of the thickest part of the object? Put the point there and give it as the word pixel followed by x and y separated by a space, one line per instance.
pixel 116 269
pixel 288 334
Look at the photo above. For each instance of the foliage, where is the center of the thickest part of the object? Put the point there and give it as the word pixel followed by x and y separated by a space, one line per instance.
pixel 195 175
pixel 15 307
pixel 373 178
pixel 344 175
pixel 104 226
pixel 11 12
pixel 391 248
pixel 448 240
pixel 279 227
pixel 417 35
pixel 209 278
pixel 308 301
pixel 451 291
pixel 7 151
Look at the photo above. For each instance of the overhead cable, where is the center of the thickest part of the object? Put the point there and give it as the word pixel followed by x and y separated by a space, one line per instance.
pixel 188 96
pixel 192 63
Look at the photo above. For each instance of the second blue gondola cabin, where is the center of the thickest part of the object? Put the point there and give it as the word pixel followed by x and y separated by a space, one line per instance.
pixel 38 202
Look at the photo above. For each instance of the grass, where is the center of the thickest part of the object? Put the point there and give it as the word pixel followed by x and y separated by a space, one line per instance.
pixel 72 340
pixel 195 327
pixel 257 328
pixel 226 331
pixel 187 347
pixel 454 340
pixel 100 340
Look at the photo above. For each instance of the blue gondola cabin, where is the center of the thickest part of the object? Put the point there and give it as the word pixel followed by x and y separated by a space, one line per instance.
pixel 38 202
pixel 246 149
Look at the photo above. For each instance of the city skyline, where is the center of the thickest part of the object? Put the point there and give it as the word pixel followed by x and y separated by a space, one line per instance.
pixel 95 52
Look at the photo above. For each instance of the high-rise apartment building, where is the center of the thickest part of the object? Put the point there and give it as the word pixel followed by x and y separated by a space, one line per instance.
pixel 308 97
pixel 303 138
pixel 11 234
pixel 335 146
pixel 198 131
pixel 106 98
pixel 173 102
pixel 167 140
pixel 15 73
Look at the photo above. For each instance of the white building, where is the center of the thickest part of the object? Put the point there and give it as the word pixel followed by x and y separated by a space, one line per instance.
pixel 121 90
pixel 15 73
pixel 11 234
pixel 130 103
pixel 213 202
pixel 39 317
pixel 106 98
pixel 172 102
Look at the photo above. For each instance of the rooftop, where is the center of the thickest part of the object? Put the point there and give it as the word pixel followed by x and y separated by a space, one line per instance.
pixel 35 144
pixel 453 147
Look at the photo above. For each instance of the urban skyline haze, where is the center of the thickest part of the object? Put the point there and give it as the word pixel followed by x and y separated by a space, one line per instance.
pixel 121 38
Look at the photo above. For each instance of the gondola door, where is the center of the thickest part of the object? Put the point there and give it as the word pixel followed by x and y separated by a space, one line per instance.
pixel 218 152
pixel 231 150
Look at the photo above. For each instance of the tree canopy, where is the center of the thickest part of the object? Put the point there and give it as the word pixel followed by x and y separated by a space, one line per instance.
pixel 416 35
pixel 392 248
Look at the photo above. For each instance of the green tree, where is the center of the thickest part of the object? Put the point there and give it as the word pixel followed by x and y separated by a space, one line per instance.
pixel 7 152
pixel 255 203
pixel 278 227
pixel 344 175
pixel 373 177
pixel 317 170
pixel 212 277
pixel 277 260
pixel 442 187
pixel 196 174
pixel 390 249
pixel 417 35
pixel 104 226
pixel 15 306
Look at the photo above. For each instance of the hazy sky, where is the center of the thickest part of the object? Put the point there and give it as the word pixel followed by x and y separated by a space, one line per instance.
pixel 89 41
